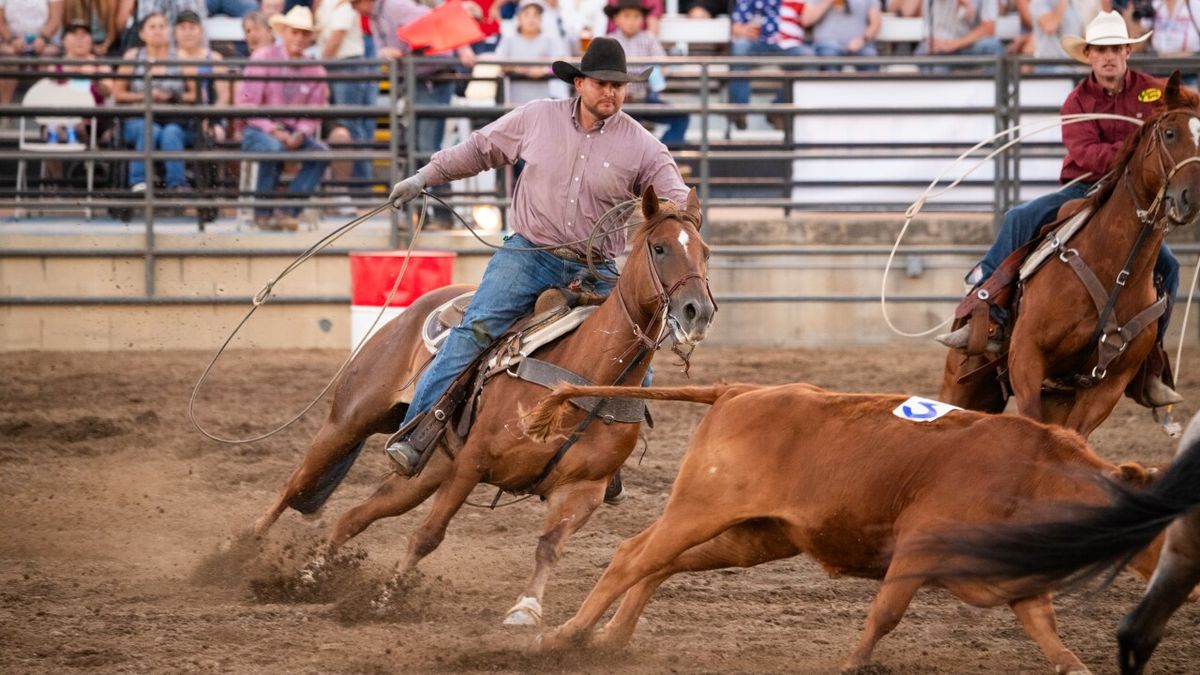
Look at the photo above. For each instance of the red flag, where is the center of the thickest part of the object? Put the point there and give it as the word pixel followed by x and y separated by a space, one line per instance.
pixel 447 27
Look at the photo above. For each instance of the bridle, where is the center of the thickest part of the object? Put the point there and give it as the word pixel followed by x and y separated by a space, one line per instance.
pixel 661 315
pixel 1151 216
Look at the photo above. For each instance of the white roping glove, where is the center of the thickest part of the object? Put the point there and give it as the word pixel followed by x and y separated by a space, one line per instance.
pixel 407 190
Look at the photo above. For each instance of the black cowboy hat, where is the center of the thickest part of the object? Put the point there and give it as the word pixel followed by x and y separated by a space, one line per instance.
pixel 604 60
pixel 613 9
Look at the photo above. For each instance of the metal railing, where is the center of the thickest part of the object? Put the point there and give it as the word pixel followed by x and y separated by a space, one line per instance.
pixel 699 80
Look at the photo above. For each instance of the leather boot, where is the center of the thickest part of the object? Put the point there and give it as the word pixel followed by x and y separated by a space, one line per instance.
pixel 405 456
pixel 958 339
pixel 1159 394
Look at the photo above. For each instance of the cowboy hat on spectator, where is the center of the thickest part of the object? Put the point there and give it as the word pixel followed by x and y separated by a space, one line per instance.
pixel 1108 28
pixel 298 17
pixel 614 9
pixel 604 61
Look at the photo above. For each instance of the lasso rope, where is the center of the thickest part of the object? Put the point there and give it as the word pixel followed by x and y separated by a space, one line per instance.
pixel 618 213
pixel 929 194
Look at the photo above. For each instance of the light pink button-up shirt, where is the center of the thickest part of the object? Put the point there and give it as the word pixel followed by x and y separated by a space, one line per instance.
pixel 284 93
pixel 572 176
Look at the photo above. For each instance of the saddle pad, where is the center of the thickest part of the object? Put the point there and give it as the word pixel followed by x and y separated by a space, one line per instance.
pixel 436 327
pixel 540 337
pixel 1050 244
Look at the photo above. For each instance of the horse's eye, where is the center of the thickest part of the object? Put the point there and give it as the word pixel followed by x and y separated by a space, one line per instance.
pixel 658 249
pixel 1169 134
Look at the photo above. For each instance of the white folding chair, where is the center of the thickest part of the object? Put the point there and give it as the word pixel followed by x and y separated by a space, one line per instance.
pixel 72 96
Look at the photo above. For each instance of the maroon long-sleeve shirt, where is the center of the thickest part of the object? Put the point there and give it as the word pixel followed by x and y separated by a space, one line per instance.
pixel 1092 145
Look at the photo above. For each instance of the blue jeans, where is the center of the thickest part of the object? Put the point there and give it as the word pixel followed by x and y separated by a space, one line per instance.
pixel 430 129
pixel 356 92
pixel 827 49
pixel 508 290
pixel 234 8
pixel 307 180
pixel 1022 223
pixel 677 123
pixel 739 90
pixel 169 136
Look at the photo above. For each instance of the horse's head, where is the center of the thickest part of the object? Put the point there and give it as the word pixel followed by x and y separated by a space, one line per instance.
pixel 668 246
pixel 1173 179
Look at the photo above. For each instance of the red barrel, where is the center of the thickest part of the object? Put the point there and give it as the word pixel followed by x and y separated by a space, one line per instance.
pixel 372 275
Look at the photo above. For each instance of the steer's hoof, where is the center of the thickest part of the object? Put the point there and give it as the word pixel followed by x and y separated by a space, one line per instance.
pixel 527 612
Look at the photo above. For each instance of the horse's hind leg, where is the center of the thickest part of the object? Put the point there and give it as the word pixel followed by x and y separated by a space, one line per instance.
pixel 331 444
pixel 1037 617
pixel 570 508
pixel 743 545
pixel 1178 573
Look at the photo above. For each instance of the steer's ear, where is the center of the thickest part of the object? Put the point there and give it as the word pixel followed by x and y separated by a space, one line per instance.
pixel 1134 474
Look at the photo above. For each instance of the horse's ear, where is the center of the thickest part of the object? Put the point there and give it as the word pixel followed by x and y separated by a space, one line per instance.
pixel 649 202
pixel 693 203
pixel 1173 96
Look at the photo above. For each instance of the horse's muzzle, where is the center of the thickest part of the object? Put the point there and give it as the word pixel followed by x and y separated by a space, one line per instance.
pixel 690 315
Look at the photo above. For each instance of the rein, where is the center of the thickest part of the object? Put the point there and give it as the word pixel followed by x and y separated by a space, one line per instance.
pixel 1150 220
pixel 643 343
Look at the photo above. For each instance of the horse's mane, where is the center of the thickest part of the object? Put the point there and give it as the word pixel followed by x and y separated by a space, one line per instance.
pixel 1188 100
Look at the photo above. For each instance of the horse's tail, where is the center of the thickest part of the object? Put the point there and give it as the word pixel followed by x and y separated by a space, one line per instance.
pixel 546 418
pixel 1091 541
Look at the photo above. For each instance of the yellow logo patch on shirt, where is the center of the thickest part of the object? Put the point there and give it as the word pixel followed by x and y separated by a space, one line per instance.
pixel 1150 95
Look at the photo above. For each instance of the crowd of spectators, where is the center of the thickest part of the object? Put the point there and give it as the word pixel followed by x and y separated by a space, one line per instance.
pixel 346 34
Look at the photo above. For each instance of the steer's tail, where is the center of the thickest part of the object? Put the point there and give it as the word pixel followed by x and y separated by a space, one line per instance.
pixel 1090 541
pixel 546 419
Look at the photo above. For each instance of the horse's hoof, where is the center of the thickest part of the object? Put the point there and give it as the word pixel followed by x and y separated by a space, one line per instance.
pixel 1073 670
pixel 527 612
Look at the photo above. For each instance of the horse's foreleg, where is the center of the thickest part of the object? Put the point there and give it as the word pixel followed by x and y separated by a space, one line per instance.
pixel 1037 617
pixel 1093 405
pixel 1177 575
pixel 570 507
pixel 332 443
pixel 1028 372
pixel 447 500
pixel 743 545
pixel 396 496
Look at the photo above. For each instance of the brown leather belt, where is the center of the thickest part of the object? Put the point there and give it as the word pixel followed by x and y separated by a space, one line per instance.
pixel 575 256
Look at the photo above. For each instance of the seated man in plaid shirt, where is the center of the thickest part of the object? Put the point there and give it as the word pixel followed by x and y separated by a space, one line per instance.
pixel 630 16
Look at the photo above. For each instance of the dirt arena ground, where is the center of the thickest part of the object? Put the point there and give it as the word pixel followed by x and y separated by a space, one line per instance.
pixel 116 512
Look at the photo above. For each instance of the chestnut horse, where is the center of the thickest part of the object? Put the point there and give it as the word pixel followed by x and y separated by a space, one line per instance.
pixel 663 287
pixel 1093 540
pixel 857 481
pixel 1155 186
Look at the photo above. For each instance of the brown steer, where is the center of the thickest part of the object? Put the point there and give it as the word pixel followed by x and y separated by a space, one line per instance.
pixel 776 471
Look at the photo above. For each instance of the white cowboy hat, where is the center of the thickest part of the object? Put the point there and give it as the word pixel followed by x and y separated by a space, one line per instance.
pixel 1108 28
pixel 299 17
